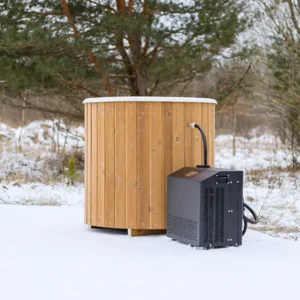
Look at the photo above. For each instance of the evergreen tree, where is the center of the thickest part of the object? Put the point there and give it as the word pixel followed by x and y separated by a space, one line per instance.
pixel 111 47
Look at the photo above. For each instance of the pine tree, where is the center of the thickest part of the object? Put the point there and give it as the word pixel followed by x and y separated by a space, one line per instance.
pixel 112 47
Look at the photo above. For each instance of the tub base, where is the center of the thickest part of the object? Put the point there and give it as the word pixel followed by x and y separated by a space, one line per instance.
pixel 141 232
pixel 136 232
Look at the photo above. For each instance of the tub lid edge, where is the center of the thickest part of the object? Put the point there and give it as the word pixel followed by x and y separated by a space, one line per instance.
pixel 149 99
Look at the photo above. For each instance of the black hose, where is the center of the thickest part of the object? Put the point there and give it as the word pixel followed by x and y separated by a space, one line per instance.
pixel 245 227
pixel 255 221
pixel 204 142
pixel 247 220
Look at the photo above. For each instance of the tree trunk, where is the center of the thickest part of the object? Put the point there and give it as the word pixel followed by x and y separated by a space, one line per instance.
pixel 23 110
pixel 141 84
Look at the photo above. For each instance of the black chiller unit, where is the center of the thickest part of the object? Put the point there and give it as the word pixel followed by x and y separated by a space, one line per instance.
pixel 205 205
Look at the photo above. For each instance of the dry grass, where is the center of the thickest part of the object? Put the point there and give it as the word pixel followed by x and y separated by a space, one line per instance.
pixel 42 201
pixel 29 168
pixel 275 195
pixel 277 229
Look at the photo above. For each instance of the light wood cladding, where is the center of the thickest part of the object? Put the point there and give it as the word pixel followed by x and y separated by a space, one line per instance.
pixel 131 147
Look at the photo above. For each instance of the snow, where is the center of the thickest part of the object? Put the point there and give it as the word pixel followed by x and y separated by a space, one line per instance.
pixel 48 253
pixel 41 194
pixel 269 188
pixel 34 175
pixel 255 153
pixel 41 135
pixel 34 152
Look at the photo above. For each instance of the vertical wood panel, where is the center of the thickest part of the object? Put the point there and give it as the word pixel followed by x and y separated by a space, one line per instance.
pixel 110 164
pixel 156 218
pixel 188 135
pixel 214 134
pixel 101 165
pixel 120 188
pixel 130 149
pixel 167 154
pixel 89 151
pixel 205 120
pixel 211 134
pixel 131 165
pixel 86 166
pixel 144 133
pixel 178 136
pixel 94 164
pixel 197 138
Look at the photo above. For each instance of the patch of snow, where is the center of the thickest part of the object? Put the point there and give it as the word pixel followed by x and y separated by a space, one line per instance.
pixel 273 193
pixel 264 152
pixel 43 135
pixel 34 152
pixel 42 194
pixel 49 253
pixel 35 176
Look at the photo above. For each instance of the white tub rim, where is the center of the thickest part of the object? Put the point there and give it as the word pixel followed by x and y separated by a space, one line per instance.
pixel 149 99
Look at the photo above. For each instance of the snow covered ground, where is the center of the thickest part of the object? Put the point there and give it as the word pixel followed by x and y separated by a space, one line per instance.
pixel 48 253
pixel 35 152
pixel 57 194
pixel 42 135
pixel 269 187
pixel 31 172
pixel 257 153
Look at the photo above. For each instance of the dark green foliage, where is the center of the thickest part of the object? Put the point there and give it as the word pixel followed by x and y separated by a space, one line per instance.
pixel 140 51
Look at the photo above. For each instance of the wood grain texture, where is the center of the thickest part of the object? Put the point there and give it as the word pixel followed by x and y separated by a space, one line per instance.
pixel 167 154
pixel 120 176
pixel 211 134
pixel 188 135
pixel 94 164
pixel 101 165
pixel 143 232
pixel 131 164
pixel 156 166
pixel 89 161
pixel 197 144
pixel 144 133
pixel 205 126
pixel 131 148
pixel 109 220
pixel 86 165
pixel 178 136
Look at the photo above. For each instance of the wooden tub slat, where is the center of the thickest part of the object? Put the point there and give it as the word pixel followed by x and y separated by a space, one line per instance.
pixel 131 147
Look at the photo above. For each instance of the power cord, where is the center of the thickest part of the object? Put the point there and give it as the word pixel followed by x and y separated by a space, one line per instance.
pixel 247 220
pixel 246 206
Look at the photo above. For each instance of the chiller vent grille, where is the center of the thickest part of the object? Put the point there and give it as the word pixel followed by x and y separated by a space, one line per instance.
pixel 208 215
pixel 214 215
pixel 219 233
pixel 183 227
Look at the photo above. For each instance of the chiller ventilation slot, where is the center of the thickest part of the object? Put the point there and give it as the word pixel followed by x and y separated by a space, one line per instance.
pixel 208 215
pixel 219 234
pixel 183 227
pixel 214 215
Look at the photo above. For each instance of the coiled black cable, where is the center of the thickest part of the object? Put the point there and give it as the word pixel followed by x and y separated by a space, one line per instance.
pixel 247 220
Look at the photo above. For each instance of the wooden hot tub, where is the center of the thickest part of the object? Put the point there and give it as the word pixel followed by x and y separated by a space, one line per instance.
pixel 132 144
